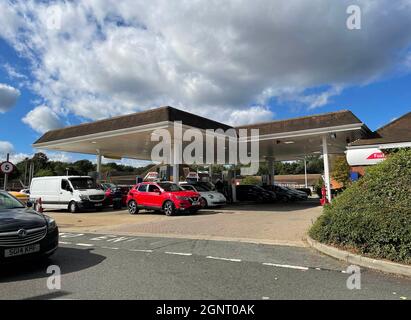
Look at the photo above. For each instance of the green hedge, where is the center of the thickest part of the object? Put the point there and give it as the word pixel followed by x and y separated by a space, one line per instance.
pixel 373 215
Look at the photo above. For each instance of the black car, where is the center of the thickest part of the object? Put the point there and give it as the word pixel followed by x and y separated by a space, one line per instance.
pixel 24 233
pixel 285 194
pixel 114 195
pixel 254 193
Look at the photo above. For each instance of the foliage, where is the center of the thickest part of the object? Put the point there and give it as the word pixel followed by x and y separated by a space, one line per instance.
pixel 44 167
pixel 341 170
pixel 373 215
pixel 314 165
pixel 251 180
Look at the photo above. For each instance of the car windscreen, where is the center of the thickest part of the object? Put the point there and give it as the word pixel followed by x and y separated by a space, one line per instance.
pixel 8 202
pixel 108 186
pixel 201 188
pixel 83 183
pixel 171 187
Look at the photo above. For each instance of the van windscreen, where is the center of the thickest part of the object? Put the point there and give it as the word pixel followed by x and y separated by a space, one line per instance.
pixel 83 183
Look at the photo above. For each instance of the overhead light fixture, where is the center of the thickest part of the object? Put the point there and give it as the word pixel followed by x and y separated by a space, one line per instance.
pixel 93 142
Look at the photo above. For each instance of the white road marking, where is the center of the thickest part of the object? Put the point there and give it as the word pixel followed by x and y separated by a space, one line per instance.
pixel 179 253
pixel 70 235
pixel 84 244
pixel 266 298
pixel 140 250
pixel 285 266
pixel 224 259
pixel 105 237
pixel 64 242
pixel 112 248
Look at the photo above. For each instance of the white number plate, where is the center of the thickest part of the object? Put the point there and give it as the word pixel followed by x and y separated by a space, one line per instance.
pixel 99 204
pixel 21 250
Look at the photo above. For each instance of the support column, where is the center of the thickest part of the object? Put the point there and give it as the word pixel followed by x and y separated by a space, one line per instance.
pixel 326 168
pixel 98 165
pixel 271 171
pixel 305 172
pixel 176 156
pixel 233 185
pixel 176 173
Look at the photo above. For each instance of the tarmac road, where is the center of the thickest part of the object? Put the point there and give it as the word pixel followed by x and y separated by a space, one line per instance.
pixel 121 267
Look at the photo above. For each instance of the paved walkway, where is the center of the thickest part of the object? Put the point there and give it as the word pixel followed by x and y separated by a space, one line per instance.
pixel 284 224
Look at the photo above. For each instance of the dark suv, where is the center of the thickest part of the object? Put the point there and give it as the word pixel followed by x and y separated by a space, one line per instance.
pixel 254 193
pixel 167 197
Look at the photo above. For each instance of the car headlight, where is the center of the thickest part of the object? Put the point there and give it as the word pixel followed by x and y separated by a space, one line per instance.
pixel 83 197
pixel 51 224
pixel 181 198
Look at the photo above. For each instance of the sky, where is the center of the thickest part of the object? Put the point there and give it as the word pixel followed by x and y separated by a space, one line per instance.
pixel 68 62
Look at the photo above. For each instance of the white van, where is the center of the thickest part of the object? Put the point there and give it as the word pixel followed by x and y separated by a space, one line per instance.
pixel 67 192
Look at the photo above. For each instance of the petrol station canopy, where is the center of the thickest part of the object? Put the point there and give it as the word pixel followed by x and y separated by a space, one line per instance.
pixel 129 136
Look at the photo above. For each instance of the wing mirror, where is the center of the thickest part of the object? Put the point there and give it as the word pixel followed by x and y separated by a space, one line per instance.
pixel 29 204
pixel 69 189
pixel 157 191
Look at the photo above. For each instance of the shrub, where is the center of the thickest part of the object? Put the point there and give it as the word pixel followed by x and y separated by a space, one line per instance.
pixel 373 215
pixel 251 180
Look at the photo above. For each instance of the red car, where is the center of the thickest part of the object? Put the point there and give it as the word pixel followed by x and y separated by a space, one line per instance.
pixel 167 197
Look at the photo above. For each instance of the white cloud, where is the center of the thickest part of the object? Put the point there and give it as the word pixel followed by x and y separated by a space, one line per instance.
pixel 13 73
pixel 253 115
pixel 42 119
pixel 8 97
pixel 8 147
pixel 112 57
pixel 5 148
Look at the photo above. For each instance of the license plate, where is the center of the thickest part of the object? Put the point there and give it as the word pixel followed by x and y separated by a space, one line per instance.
pixel 12 252
pixel 98 204
pixel 195 203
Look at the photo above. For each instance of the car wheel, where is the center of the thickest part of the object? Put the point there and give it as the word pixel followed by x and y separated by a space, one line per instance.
pixel 72 207
pixel 132 207
pixel 169 208
pixel 203 203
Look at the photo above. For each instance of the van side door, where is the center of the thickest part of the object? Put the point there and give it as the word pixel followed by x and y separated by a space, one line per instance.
pixel 66 193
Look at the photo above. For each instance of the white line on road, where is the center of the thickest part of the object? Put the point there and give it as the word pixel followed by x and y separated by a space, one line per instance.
pixel 225 259
pixel 64 242
pixel 140 250
pixel 285 266
pixel 112 248
pixel 179 253
pixel 84 244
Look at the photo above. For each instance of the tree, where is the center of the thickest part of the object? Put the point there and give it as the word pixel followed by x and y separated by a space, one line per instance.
pixel 341 171
pixel 44 173
pixel 83 167
pixel 40 160
pixel 250 180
